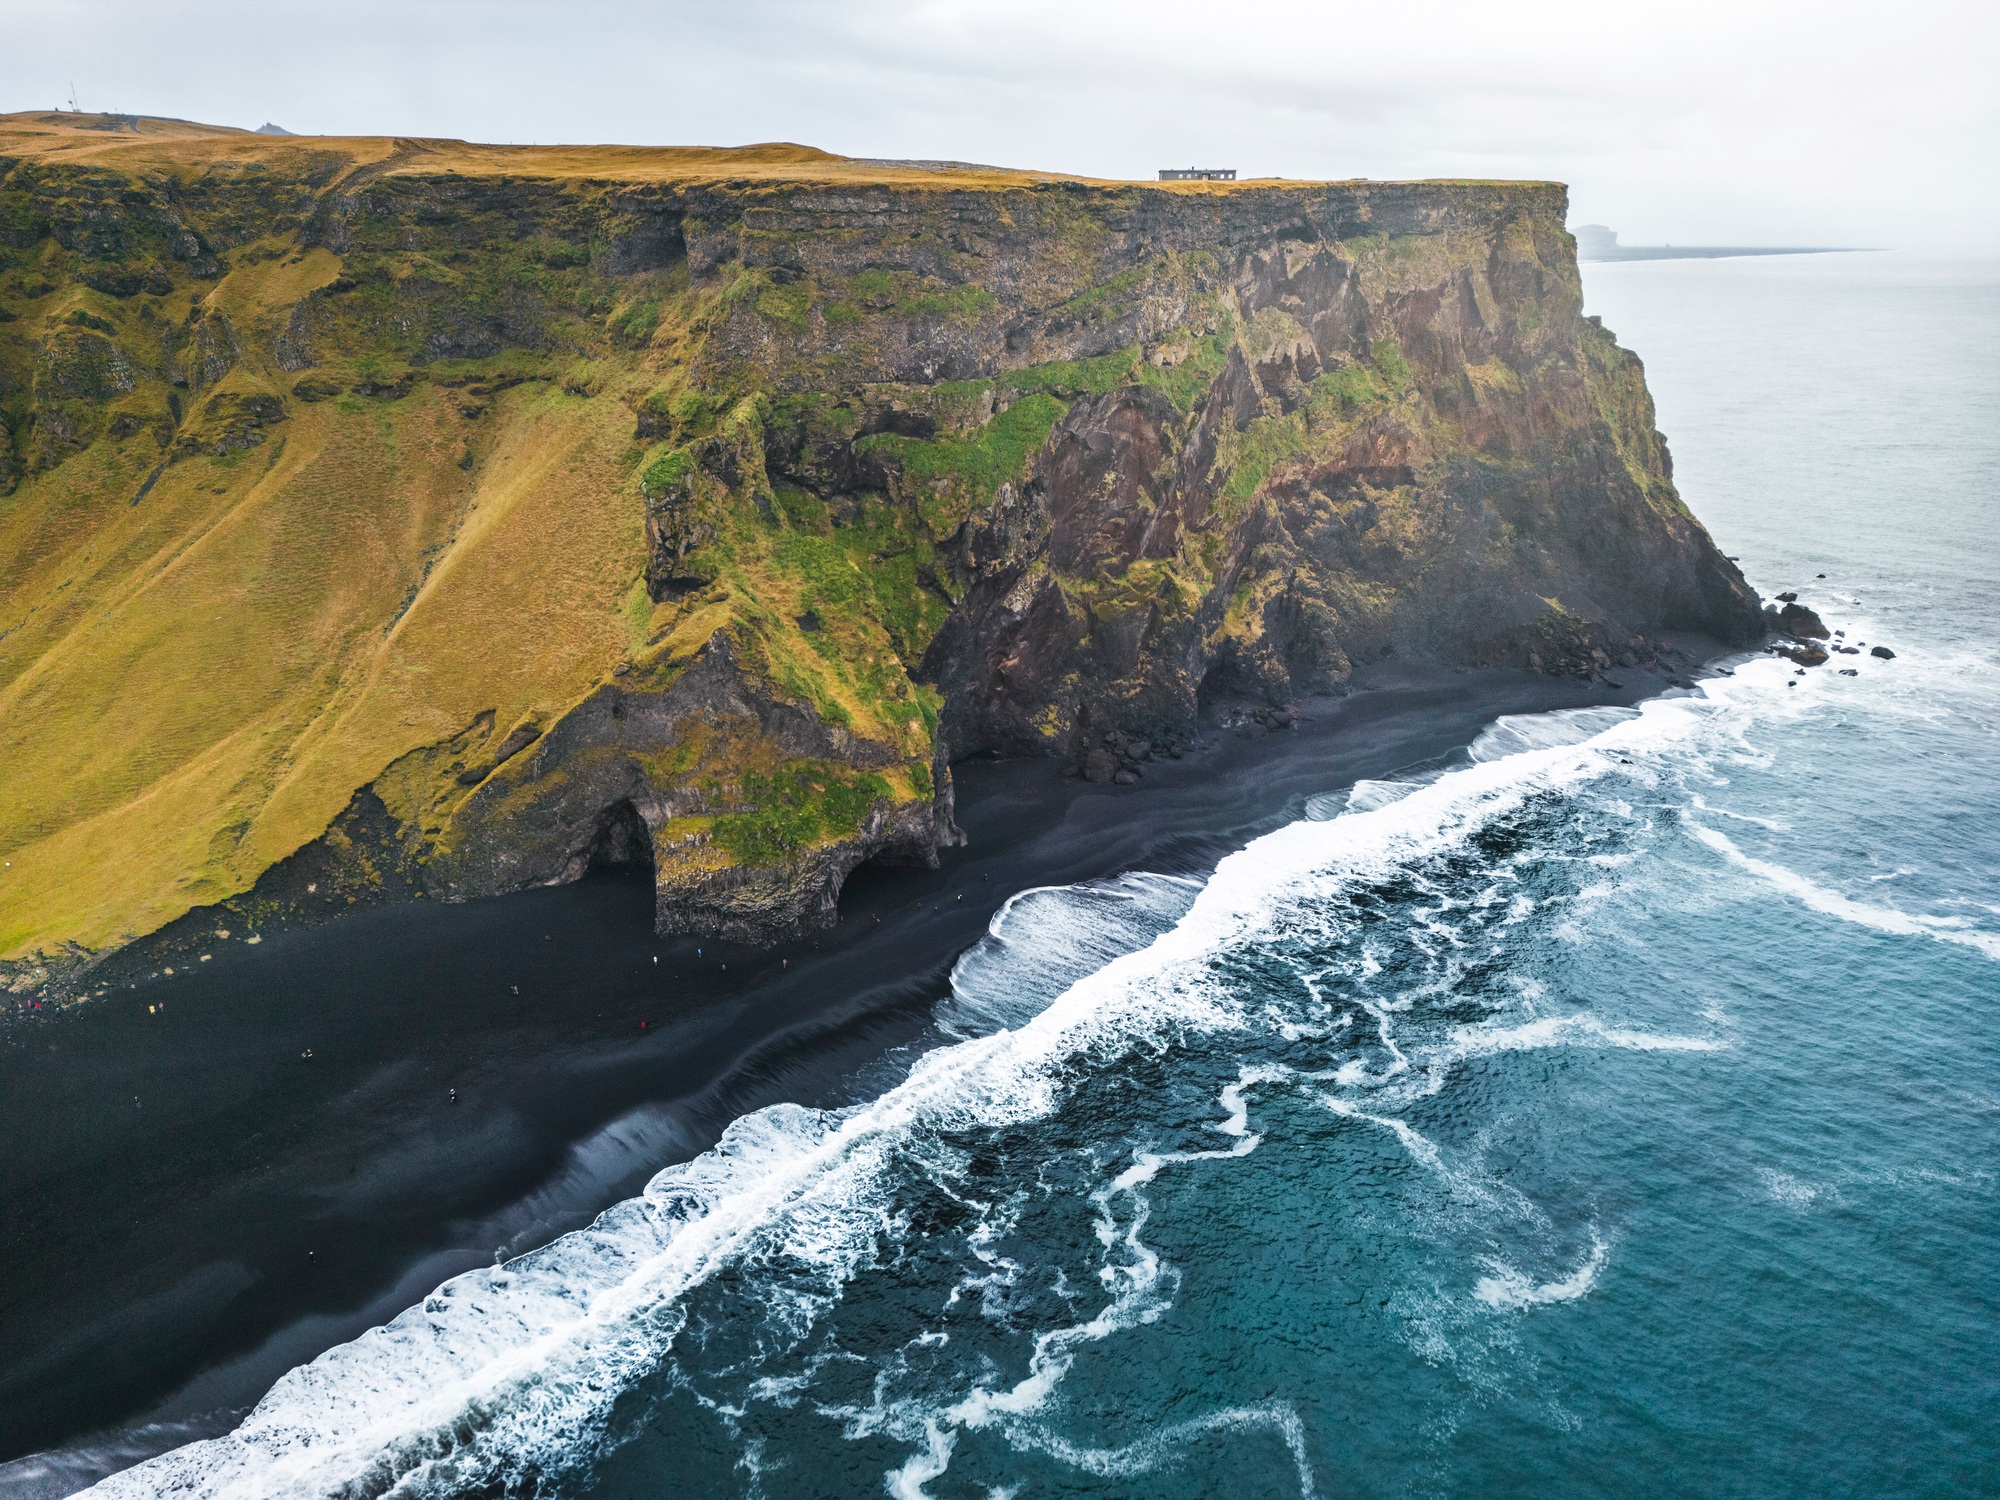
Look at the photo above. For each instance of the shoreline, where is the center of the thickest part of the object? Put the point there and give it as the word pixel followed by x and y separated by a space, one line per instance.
pixel 297 1200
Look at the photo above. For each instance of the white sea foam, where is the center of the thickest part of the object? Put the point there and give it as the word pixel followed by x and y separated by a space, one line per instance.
pixel 1424 1075
pixel 1702 804
pixel 515 1367
pixel 1509 1288
pixel 1141 1286
pixel 1326 806
pixel 1363 796
pixel 1366 796
pixel 1161 1449
pixel 1567 1031
pixel 1420 1147
pixel 1833 904
pixel 1784 1188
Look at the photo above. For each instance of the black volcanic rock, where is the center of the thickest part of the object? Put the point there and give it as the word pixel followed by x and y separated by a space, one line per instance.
pixel 1797 621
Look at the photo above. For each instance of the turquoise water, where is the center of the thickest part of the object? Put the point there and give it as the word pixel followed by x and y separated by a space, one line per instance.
pixel 1612 1110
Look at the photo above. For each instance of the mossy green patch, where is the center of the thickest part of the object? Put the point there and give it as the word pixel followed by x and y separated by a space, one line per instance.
pixel 1346 388
pixel 1389 362
pixel 907 294
pixel 996 453
pixel 637 321
pixel 1069 379
pixel 1186 379
pixel 803 805
pixel 788 305
pixel 666 472
pixel 638 613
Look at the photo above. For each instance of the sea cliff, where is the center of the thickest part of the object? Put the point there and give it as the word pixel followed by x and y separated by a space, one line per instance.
pixel 408 518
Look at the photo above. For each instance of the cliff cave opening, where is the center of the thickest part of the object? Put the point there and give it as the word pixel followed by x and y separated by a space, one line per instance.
pixel 620 840
pixel 1226 688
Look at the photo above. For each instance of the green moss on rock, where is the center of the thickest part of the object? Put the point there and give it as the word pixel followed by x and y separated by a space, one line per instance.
pixel 804 804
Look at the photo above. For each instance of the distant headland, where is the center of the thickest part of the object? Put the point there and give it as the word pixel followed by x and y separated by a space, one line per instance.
pixel 1596 242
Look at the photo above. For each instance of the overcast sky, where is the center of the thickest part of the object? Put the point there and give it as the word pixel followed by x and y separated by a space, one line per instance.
pixel 1759 121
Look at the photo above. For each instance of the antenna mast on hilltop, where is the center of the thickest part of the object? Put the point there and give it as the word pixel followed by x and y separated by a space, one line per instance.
pixel 73 107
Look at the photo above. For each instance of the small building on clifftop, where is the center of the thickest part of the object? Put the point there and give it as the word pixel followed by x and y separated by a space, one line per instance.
pixel 1197 174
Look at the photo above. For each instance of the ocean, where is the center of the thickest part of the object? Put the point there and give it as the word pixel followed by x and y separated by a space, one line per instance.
pixel 1610 1107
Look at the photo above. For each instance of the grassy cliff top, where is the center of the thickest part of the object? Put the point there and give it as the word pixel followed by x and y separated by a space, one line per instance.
pixel 138 143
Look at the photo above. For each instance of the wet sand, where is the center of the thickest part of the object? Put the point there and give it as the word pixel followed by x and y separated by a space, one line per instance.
pixel 194 1205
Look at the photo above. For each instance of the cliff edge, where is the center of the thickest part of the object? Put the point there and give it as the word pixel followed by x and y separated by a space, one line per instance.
pixel 409 517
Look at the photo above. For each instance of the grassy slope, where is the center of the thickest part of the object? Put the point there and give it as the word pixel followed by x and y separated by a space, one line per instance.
pixel 244 659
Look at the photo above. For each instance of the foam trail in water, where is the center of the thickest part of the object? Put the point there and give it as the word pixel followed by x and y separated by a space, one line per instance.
pixel 1702 804
pixel 513 1370
pixel 1161 1449
pixel 1833 904
pixel 1508 1288
pixel 1141 1284
pixel 1569 1031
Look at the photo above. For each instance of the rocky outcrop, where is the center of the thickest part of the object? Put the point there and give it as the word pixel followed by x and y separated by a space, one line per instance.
pixel 1795 619
pixel 591 791
pixel 885 468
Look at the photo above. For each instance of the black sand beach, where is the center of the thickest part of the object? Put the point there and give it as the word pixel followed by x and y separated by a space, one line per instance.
pixel 209 1179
